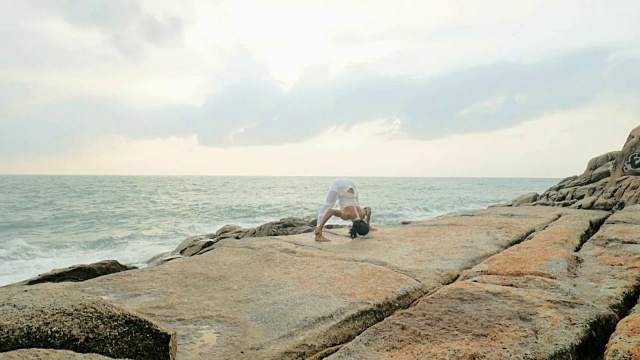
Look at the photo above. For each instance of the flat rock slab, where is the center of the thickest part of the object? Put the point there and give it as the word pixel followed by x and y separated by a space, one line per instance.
pixel 518 304
pixel 551 254
pixel 291 297
pixel 49 354
pixel 532 318
pixel 46 316
pixel 609 270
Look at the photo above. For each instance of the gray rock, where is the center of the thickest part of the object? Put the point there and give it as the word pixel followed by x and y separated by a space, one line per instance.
pixel 587 203
pixel 197 247
pixel 601 173
pixel 80 272
pixel 186 243
pixel 604 203
pixel 200 244
pixel 601 160
pixel 525 199
pixel 227 229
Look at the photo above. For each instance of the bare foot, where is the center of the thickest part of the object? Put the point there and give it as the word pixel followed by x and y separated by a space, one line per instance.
pixel 372 228
pixel 321 238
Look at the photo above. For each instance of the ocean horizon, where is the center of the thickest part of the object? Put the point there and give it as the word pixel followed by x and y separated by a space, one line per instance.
pixel 56 221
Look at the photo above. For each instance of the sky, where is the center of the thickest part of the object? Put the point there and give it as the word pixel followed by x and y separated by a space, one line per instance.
pixel 466 88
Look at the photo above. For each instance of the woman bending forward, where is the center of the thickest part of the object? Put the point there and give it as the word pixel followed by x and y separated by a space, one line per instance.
pixel 346 193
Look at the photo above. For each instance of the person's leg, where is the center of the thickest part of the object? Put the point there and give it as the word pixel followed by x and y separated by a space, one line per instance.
pixel 325 212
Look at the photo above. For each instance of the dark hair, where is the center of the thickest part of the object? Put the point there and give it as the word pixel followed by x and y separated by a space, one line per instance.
pixel 359 227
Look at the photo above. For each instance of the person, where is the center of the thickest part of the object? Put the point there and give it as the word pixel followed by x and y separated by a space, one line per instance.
pixel 346 193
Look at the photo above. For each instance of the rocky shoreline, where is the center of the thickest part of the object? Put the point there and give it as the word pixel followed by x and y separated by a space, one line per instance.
pixel 547 276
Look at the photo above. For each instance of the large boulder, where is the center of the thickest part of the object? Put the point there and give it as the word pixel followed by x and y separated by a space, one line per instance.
pixel 53 317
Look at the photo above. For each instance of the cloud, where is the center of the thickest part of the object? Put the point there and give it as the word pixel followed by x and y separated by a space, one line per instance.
pixel 478 99
pixel 254 110
pixel 549 146
pixel 123 22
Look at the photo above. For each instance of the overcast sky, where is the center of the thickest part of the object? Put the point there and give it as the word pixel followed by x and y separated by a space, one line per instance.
pixel 485 88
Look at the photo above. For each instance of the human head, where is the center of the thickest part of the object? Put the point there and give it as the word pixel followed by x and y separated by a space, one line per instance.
pixel 359 227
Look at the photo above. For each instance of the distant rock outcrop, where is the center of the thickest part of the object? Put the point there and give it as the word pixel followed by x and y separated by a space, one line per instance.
pixel 610 182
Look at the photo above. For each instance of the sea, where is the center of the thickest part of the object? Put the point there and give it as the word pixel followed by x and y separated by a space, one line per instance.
pixel 51 222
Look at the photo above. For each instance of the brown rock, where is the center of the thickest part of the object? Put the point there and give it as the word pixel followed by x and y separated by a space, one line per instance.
pixel 496 318
pixel 518 304
pixel 550 254
pixel 525 199
pixel 57 317
pixel 625 341
pixel 610 262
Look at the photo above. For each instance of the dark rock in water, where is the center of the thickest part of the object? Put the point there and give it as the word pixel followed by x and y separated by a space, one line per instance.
pixel 80 272
pixel 64 319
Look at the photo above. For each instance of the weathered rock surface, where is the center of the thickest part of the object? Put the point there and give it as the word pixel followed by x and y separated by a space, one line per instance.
pixel 609 182
pixel 518 304
pixel 80 272
pixel 610 262
pixel 290 297
pixel 54 317
pixel 49 354
pixel 625 342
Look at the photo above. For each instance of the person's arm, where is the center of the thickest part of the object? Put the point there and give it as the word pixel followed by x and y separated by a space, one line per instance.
pixel 368 219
